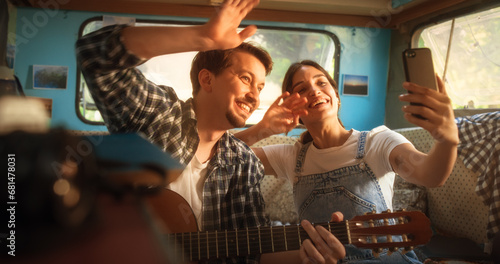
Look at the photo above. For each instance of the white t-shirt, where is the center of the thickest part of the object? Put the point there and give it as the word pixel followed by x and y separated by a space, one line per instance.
pixel 380 142
pixel 190 186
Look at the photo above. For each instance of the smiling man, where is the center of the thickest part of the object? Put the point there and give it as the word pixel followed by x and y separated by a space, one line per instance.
pixel 222 177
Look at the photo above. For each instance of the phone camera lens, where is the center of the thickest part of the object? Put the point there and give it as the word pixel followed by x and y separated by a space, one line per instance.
pixel 410 54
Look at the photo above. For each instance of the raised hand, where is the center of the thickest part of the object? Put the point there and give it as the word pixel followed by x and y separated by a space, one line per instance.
pixel 221 30
pixel 436 109
pixel 281 117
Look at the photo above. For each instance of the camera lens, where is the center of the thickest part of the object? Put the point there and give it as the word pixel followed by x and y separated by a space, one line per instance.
pixel 410 54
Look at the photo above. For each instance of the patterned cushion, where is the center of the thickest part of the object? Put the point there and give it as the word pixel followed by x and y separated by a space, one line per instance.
pixel 278 193
pixel 454 208
pixel 408 195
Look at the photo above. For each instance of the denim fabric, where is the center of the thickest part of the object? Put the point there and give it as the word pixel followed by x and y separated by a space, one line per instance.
pixel 352 190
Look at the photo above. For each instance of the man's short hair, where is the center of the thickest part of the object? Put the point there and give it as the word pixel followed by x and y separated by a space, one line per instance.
pixel 216 61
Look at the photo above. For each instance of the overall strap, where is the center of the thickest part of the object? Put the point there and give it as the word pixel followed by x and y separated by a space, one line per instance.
pixel 301 157
pixel 361 145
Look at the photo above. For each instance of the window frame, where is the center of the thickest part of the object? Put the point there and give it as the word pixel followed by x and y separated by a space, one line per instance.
pixel 432 21
pixel 416 32
pixel 78 97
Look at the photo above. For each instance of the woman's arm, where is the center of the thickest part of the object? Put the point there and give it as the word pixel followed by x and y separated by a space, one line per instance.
pixel 431 169
pixel 268 169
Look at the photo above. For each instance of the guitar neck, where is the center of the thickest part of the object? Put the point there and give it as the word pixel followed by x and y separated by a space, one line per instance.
pixel 390 230
pixel 248 241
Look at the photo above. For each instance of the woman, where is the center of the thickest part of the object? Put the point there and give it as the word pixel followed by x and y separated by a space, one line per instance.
pixel 348 170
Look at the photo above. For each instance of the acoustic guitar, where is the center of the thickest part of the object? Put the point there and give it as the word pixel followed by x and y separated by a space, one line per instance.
pixel 365 231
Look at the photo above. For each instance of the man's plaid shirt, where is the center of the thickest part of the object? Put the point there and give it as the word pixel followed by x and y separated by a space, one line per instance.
pixel 480 152
pixel 129 102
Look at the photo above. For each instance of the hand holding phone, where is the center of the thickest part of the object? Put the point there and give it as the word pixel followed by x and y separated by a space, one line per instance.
pixel 419 69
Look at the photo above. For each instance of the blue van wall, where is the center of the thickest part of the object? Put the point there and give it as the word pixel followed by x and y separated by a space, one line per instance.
pixel 47 37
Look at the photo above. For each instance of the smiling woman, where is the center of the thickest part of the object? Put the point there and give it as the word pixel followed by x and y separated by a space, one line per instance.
pixel 286 45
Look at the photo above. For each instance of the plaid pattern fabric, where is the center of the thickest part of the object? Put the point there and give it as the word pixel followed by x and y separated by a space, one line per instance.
pixel 129 102
pixel 480 150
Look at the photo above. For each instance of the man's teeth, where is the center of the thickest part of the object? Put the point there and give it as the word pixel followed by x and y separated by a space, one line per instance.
pixel 244 107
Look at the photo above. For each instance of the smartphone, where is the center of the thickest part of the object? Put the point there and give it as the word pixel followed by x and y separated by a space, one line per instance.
pixel 419 68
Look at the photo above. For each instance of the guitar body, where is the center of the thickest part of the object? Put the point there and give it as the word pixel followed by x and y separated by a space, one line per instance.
pixel 174 213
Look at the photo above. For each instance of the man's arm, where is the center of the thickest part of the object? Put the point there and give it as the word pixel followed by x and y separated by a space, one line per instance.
pixel 118 88
pixel 128 102
pixel 220 32
pixel 126 99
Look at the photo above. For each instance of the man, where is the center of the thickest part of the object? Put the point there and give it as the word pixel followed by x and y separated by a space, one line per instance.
pixel 222 176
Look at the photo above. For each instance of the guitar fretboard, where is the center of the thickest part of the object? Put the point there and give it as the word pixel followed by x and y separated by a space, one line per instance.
pixel 248 241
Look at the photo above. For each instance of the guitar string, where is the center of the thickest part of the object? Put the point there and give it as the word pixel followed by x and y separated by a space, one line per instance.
pixel 277 241
pixel 265 244
pixel 254 242
pixel 267 248
pixel 352 225
pixel 211 238
pixel 291 228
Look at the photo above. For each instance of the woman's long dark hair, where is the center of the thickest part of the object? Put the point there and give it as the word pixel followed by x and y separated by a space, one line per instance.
pixel 288 82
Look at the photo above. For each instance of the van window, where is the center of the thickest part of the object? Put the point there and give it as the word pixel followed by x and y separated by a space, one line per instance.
pixel 473 68
pixel 286 46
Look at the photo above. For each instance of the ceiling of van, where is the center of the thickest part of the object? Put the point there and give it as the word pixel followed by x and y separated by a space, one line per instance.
pixel 349 7
pixel 365 13
pixel 352 7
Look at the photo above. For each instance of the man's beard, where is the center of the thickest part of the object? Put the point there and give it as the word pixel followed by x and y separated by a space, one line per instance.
pixel 234 120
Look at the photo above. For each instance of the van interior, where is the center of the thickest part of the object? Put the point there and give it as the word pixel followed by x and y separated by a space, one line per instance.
pixel 360 43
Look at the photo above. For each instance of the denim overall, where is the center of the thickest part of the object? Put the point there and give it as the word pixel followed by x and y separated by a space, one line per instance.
pixel 352 190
